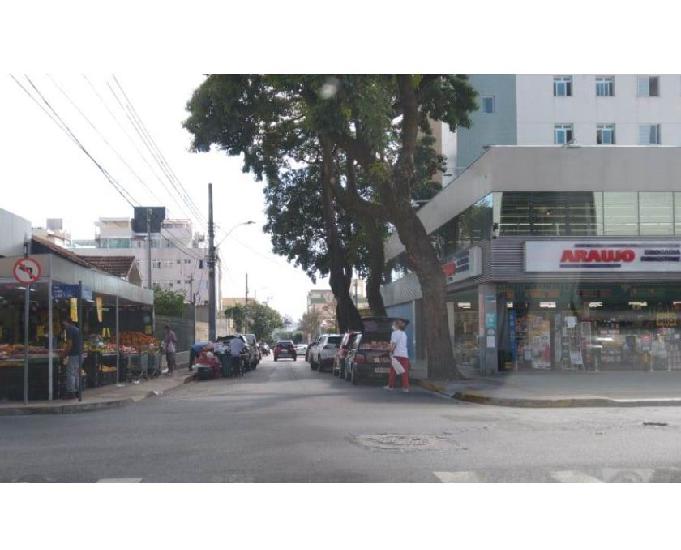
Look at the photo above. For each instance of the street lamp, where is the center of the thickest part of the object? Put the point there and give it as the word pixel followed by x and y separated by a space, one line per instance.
pixel 249 222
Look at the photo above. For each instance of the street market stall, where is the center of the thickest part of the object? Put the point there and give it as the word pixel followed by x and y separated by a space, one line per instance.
pixel 115 318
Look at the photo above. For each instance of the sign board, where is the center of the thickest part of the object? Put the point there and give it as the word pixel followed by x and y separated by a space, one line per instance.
pixel 464 265
pixel 602 256
pixel 27 270
pixel 156 217
pixel 61 291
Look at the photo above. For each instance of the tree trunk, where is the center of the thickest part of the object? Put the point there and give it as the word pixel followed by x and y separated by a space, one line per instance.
pixel 426 265
pixel 340 277
pixel 375 267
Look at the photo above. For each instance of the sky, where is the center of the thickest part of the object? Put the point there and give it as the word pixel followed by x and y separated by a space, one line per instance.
pixel 43 174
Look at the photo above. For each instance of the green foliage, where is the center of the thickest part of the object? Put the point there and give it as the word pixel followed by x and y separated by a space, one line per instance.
pixel 309 322
pixel 237 313
pixel 297 337
pixel 168 302
pixel 256 318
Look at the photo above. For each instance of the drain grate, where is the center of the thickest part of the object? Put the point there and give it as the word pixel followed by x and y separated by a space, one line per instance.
pixel 404 442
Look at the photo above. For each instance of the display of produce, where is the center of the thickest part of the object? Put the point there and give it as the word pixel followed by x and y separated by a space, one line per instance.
pixel 13 351
pixel 138 340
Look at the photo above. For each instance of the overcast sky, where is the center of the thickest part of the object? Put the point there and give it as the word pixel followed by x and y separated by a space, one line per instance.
pixel 44 175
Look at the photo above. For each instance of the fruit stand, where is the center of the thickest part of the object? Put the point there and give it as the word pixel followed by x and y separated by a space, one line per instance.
pixel 115 318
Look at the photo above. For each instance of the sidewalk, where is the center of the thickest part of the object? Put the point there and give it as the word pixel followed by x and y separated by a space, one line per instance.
pixel 566 389
pixel 105 397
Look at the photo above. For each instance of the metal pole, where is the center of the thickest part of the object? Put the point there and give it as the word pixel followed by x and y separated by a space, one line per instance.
pixel 81 327
pixel 50 335
pixel 356 297
pixel 118 348
pixel 27 299
pixel 149 285
pixel 212 306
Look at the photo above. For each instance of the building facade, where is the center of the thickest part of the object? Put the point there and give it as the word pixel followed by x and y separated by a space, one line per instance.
pixel 557 109
pixel 556 257
pixel 178 256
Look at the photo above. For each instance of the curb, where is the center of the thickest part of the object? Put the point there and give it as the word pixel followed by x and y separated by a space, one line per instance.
pixel 563 403
pixel 77 408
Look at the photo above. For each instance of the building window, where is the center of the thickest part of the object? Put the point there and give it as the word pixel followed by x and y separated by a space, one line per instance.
pixel 649 134
pixel 620 213
pixel 187 261
pixel 656 213
pixel 605 134
pixel 156 264
pixel 563 134
pixel 179 282
pixel 605 86
pixel 648 86
pixel 562 86
pixel 487 104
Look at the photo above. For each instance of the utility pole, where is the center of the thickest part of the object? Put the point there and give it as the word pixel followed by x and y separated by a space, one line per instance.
pixel 212 306
pixel 356 297
pixel 149 285
pixel 246 288
pixel 193 301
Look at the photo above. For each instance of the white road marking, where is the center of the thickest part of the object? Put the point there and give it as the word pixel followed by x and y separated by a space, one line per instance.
pixel 573 476
pixel 120 480
pixel 457 477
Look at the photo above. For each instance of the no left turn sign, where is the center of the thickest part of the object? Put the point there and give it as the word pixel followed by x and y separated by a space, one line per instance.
pixel 27 270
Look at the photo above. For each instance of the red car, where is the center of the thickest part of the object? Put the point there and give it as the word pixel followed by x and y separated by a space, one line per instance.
pixel 342 353
pixel 285 348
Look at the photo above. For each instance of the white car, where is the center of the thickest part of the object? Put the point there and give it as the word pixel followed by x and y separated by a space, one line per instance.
pixel 324 351
pixel 301 349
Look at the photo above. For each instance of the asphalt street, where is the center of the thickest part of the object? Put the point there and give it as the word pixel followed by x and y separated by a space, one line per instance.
pixel 284 422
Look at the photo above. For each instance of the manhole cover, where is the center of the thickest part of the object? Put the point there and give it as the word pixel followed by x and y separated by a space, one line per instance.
pixel 402 442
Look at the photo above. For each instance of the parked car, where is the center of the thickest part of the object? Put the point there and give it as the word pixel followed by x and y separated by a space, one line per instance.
pixel 285 348
pixel 301 349
pixel 342 352
pixel 231 368
pixel 369 358
pixel 254 352
pixel 324 352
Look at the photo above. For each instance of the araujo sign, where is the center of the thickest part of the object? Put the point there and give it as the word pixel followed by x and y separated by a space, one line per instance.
pixel 629 256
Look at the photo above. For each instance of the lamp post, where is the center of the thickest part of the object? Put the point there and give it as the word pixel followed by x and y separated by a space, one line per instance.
pixel 212 261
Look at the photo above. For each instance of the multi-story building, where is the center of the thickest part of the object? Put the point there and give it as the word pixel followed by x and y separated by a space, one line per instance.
pixel 178 256
pixel 560 109
pixel 54 232
pixel 564 258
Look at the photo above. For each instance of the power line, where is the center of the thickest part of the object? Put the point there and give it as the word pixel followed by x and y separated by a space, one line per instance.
pixel 156 153
pixel 106 141
pixel 54 116
pixel 165 163
pixel 135 127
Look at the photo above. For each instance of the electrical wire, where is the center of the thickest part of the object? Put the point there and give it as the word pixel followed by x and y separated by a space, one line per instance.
pixel 104 139
pixel 54 116
pixel 156 153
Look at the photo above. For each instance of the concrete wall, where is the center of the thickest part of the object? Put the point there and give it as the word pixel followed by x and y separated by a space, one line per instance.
pixel 498 128
pixel 13 230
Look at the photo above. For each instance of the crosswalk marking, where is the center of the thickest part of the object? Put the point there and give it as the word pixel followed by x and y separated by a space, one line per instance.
pixel 573 476
pixel 120 480
pixel 457 477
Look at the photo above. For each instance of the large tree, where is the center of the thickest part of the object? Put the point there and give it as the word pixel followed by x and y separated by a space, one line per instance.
pixel 375 128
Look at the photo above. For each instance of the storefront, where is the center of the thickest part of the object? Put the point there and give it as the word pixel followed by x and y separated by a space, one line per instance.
pixel 115 317
pixel 553 275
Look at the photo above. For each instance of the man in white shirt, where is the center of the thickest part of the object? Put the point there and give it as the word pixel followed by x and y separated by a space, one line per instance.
pixel 398 349
pixel 236 347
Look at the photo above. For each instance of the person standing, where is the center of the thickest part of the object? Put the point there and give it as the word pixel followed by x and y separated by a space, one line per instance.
pixel 73 355
pixel 659 353
pixel 398 349
pixel 170 344
pixel 236 348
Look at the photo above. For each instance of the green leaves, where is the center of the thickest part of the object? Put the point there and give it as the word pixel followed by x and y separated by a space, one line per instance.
pixel 168 302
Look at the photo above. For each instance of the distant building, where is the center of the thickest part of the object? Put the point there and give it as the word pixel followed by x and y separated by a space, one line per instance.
pixel 178 256
pixel 54 232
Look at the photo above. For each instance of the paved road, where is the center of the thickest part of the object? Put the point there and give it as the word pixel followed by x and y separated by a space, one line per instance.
pixel 286 423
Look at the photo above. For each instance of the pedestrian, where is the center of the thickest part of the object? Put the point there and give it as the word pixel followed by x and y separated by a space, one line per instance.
pixel 170 343
pixel 398 349
pixel 72 355
pixel 236 348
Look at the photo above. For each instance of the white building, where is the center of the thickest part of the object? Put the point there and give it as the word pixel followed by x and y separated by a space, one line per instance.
pixel 178 256
pixel 556 109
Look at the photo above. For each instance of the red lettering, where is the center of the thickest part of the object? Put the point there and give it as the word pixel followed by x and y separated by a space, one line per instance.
pixel 580 255
pixel 568 256
pixel 628 255
pixel 593 256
